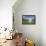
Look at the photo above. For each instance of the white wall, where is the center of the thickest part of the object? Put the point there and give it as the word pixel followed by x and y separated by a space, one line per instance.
pixel 6 13
pixel 29 7
pixel 36 32
pixel 43 23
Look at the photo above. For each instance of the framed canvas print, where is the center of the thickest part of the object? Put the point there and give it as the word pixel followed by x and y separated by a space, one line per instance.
pixel 29 19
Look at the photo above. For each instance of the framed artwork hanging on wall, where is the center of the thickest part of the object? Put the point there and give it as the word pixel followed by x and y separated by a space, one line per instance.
pixel 29 19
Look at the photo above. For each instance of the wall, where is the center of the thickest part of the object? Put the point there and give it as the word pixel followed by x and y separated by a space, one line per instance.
pixel 6 16
pixel 43 22
pixel 28 7
pixel 6 13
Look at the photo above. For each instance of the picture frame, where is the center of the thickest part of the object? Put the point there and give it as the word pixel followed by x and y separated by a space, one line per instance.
pixel 28 19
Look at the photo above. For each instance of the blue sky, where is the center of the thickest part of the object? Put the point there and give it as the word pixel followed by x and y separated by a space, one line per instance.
pixel 28 16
